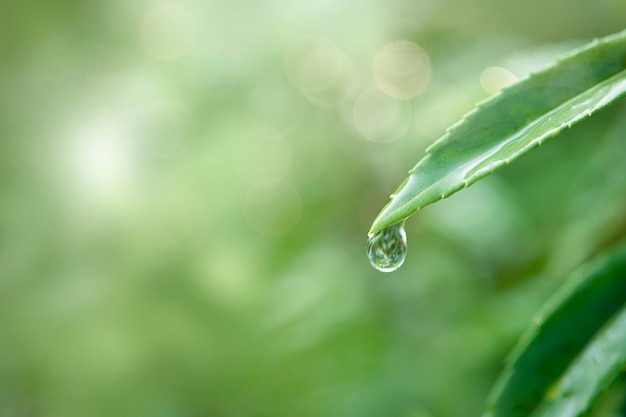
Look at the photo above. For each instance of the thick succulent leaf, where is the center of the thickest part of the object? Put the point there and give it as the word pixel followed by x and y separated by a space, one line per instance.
pixel 561 337
pixel 510 123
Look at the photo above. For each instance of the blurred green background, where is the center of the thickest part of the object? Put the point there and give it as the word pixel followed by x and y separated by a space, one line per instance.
pixel 186 188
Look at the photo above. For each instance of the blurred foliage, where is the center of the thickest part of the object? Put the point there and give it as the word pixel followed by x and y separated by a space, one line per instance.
pixel 187 186
pixel 574 350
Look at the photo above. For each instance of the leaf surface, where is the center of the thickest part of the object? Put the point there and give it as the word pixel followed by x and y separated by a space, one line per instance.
pixel 591 374
pixel 512 122
pixel 570 354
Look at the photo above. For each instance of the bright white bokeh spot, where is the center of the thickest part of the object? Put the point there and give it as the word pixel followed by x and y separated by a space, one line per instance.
pixel 167 31
pixel 321 71
pixel 103 147
pixel 494 78
pixel 272 207
pixel 381 118
pixel 401 69
pixel 100 159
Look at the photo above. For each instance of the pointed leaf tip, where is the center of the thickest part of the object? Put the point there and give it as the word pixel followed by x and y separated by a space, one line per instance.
pixel 511 123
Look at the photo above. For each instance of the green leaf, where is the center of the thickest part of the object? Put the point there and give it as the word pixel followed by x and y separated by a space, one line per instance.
pixel 590 374
pixel 555 366
pixel 512 122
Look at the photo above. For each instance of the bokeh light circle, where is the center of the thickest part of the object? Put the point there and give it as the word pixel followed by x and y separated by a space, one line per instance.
pixel 167 31
pixel 381 118
pixel 321 71
pixel 494 78
pixel 401 69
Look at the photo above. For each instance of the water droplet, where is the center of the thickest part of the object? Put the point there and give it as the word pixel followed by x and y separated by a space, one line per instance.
pixel 386 248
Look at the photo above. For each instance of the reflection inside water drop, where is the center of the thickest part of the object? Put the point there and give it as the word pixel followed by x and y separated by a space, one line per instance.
pixel 386 248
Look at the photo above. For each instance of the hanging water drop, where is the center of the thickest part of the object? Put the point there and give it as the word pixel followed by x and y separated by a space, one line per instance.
pixel 386 248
